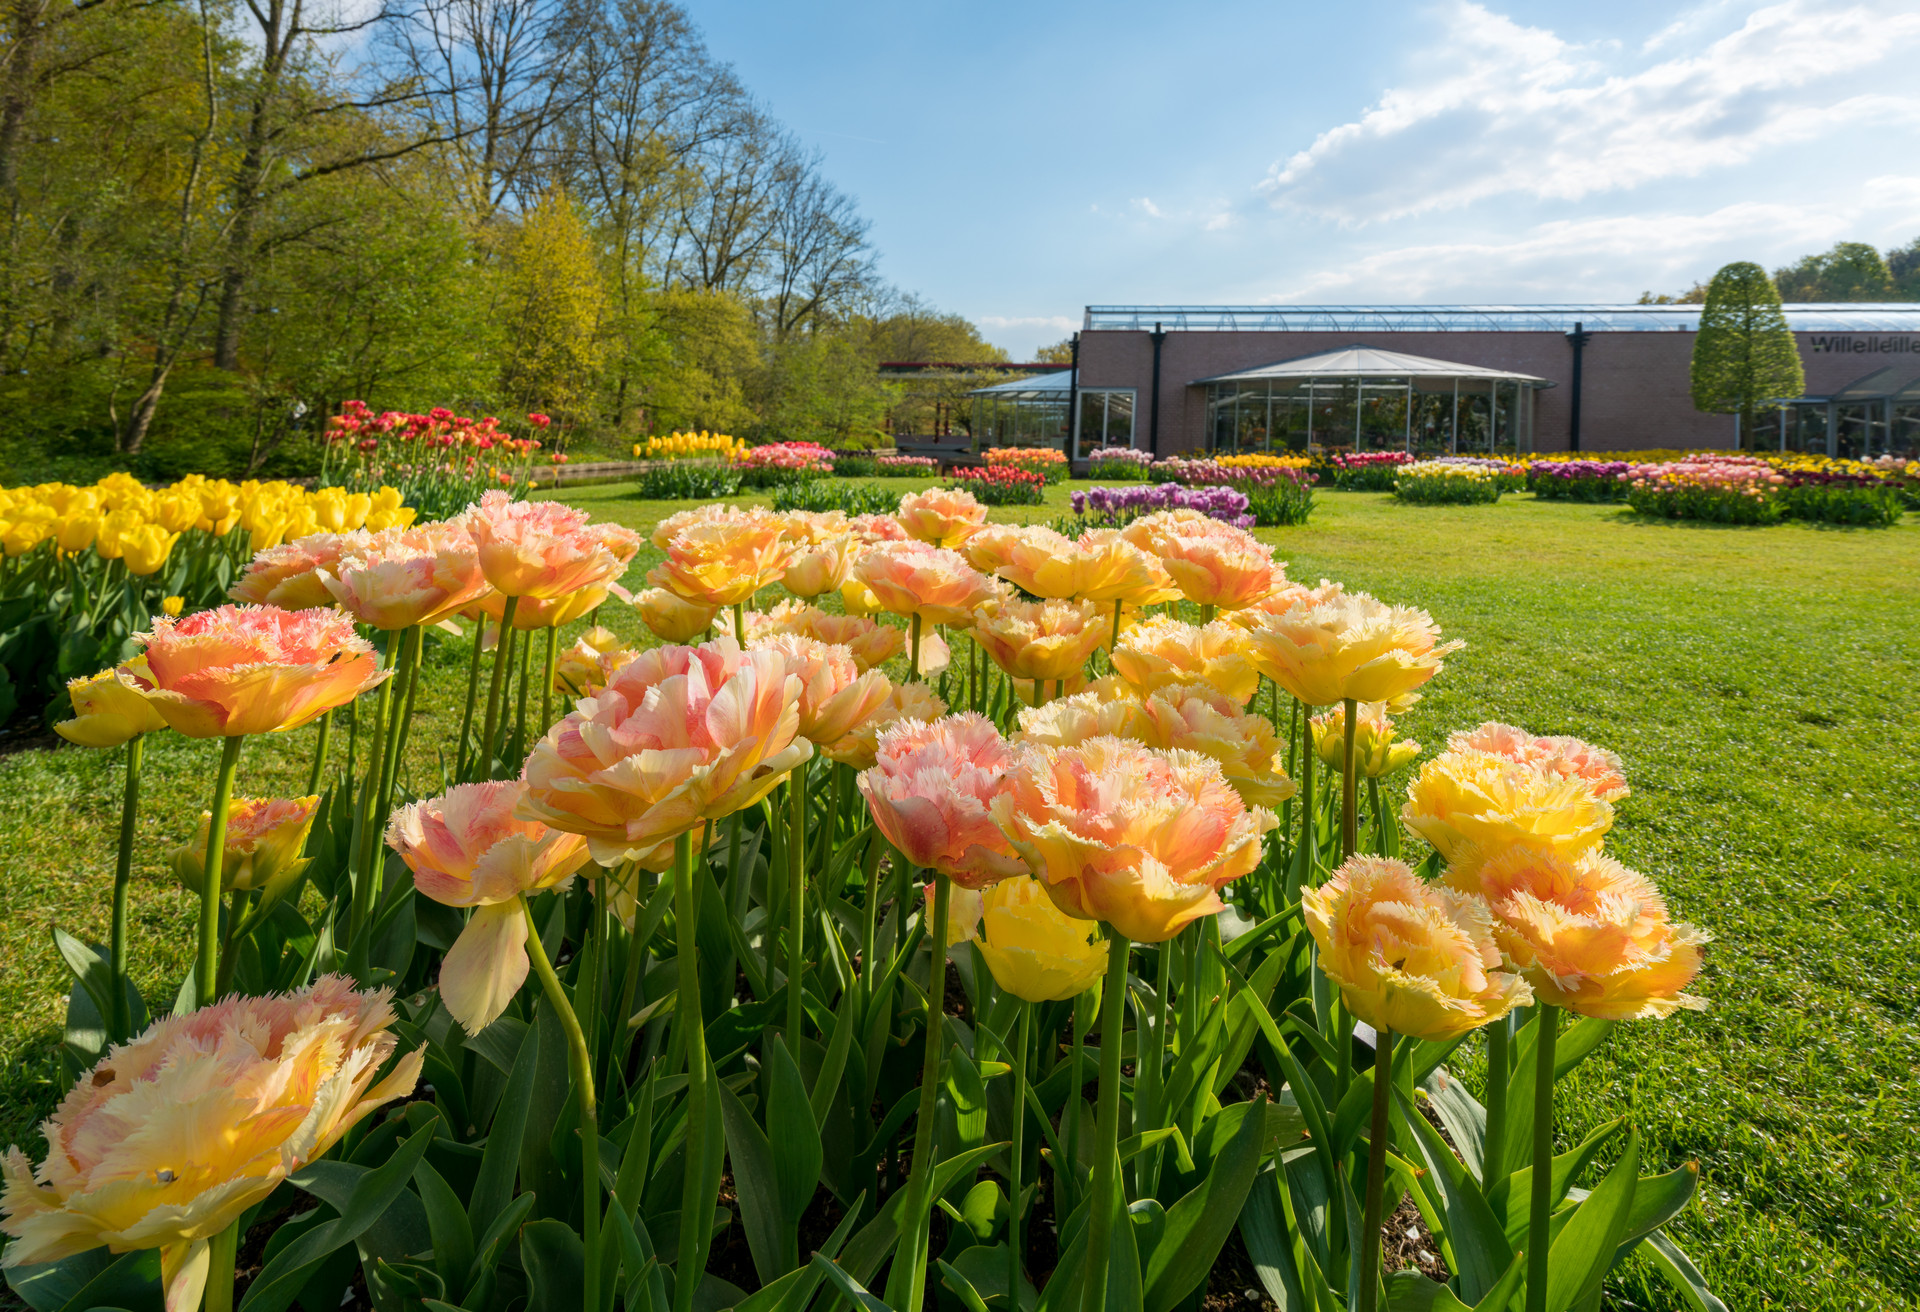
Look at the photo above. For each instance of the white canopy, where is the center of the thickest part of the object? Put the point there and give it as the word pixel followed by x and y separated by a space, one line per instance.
pixel 1370 362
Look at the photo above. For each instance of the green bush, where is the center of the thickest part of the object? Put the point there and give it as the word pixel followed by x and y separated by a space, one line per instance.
pixel 1839 503
pixel 1453 488
pixel 856 464
pixel 1713 504
pixel 1283 503
pixel 688 480
pixel 819 494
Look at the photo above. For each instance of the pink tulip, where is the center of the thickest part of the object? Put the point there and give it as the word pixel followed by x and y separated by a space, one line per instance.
pixel 929 791
pixel 543 549
pixel 239 670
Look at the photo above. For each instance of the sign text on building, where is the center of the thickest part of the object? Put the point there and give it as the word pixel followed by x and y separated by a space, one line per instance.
pixel 1863 344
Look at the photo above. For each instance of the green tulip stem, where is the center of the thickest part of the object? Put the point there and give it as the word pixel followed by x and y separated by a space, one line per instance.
pixel 913 657
pixel 1114 646
pixel 473 692
pixel 1107 1197
pixel 366 829
pixel 320 746
pixel 405 680
pixel 524 650
pixel 1307 809
pixel 122 1018
pixel 1148 1076
pixel 502 653
pixel 796 897
pixel 1540 1213
pixel 1076 1095
pixel 1376 1171
pixel 913 1220
pixel 1349 786
pixel 546 684
pixel 870 863
pixel 221 1250
pixel 1016 1167
pixel 1493 1155
pixel 696 1200
pixel 582 1062
pixel 208 968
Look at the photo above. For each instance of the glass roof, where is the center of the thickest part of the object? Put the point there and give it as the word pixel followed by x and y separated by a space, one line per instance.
pixel 1047 386
pixel 1838 317
pixel 1369 362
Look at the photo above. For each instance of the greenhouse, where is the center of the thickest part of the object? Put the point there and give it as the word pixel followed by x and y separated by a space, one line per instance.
pixel 1362 398
pixel 1023 412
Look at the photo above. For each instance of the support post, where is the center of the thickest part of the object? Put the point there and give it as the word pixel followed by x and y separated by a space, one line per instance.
pixel 1073 404
pixel 1153 419
pixel 1578 337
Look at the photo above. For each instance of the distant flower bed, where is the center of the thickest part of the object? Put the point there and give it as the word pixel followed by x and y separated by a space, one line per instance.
pixel 908 466
pixel 1431 483
pixel 819 494
pixel 781 462
pixel 1113 507
pixel 1003 484
pixel 1368 471
pixel 1278 489
pixel 1742 489
pixel 1045 461
pixel 687 480
pixel 856 464
pixel 1578 480
pixel 1117 462
pixel 688 446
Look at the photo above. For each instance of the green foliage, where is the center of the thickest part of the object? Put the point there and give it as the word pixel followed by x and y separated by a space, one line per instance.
pixel 1283 502
pixel 855 464
pixel 1450 489
pixel 687 480
pixel 820 494
pixel 1743 355
pixel 1709 503
pixel 1851 271
pixel 1841 503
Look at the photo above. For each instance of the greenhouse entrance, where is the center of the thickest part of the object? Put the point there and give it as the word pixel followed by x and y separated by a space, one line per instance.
pixel 1362 398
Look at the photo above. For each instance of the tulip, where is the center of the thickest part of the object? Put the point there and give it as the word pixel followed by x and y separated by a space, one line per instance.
pixel 1410 958
pixel 1070 721
pixel 930 789
pixel 1196 718
pixel 1214 564
pixel 1348 648
pixel 146 548
pixel 1037 560
pixel 261 848
pixel 171 1138
pixel 941 517
pixel 467 848
pixel 871 643
pixel 1468 802
pixel 1047 640
pixel 1035 951
pixel 398 578
pixel 1116 571
pixel 1293 596
pixel 1139 838
pixel 870 529
pixel 964 910
pixel 1161 651
pixel 1375 751
pixel 908 701
pixel 724 561
pixel 673 618
pixel 820 568
pixel 1566 758
pixel 544 549
pixel 926 584
pixel 290 575
pixel 584 668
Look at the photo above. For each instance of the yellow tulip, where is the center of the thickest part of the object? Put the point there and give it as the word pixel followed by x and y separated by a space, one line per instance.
pixel 109 708
pixel 262 849
pixel 1463 800
pixel 1374 750
pixel 1036 951
pixel 146 549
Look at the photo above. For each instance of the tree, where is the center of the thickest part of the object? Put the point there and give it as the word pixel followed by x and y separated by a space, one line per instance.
pixel 1903 266
pixel 1744 355
pixel 555 301
pixel 1851 271
pixel 1061 352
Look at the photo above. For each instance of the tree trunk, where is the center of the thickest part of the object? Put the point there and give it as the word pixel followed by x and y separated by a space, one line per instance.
pixel 140 418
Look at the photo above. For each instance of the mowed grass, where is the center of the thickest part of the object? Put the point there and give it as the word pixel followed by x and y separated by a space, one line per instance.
pixel 1759 684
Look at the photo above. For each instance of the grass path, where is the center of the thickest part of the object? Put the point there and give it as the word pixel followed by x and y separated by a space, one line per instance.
pixel 1760 685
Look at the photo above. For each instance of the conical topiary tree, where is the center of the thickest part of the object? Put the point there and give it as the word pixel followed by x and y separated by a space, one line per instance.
pixel 1744 355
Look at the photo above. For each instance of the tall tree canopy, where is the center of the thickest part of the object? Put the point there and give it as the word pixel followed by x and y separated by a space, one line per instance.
pixel 1743 356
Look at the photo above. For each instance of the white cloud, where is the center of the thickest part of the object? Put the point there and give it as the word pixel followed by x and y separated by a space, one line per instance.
pixel 1146 206
pixel 1523 112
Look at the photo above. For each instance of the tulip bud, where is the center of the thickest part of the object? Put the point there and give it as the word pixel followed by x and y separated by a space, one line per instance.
pixel 262 849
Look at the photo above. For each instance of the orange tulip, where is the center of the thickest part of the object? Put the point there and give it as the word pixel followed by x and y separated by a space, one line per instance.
pixel 1161 651
pixel 584 668
pixel 1139 838
pixel 468 848
pixel 679 735
pixel 239 670
pixel 542 549
pixel 908 701
pixel 265 837
pixel 1070 721
pixel 820 568
pixel 724 561
pixel 912 578
pixel 941 517
pixel 1351 646
pixel 672 617
pixel 398 578
pixel 1593 936
pixel 1293 596
pixel 290 575
pixel 1408 956
pixel 1566 758
pixel 1196 718
pixel 1040 639
pixel 1114 569
pixel 929 789
pixel 1211 562
pixel 870 529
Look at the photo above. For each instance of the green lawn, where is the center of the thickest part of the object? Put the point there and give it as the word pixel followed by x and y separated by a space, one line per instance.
pixel 1759 684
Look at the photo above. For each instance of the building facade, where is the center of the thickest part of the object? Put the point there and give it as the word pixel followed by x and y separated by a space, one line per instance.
pixel 1598 378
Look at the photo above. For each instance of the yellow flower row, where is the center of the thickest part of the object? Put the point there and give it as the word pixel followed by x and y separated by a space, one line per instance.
pixel 675 446
pixel 1258 461
pixel 1433 469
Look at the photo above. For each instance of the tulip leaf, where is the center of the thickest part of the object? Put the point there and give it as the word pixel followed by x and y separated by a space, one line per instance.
pixel 1573 1045
pixel 1681 1274
pixel 1657 1199
pixel 372 1192
pixel 1263 1229
pixel 1479 1243
pixel 94 1278
pixel 447 1223
pixel 1512 1196
pixel 1464 1118
pixel 962 1287
pixel 849 1288
pixel 794 1291
pixel 1583 1251
pixel 493 1243
pixel 500 1159
pixel 833 1068
pixel 769 1239
pixel 555 1261
pixel 793 1133
pixel 1198 1225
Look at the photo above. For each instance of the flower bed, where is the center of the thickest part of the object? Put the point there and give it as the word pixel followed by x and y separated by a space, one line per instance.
pixel 779 463
pixel 856 464
pixel 1431 483
pixel 1115 507
pixel 1002 484
pixel 1046 461
pixel 1117 462
pixel 687 479
pixel 908 467
pixel 1369 471
pixel 689 446
pixel 1578 480
pixel 820 495
pixel 438 461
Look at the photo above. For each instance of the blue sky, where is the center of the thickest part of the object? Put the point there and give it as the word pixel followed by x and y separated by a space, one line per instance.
pixel 1020 161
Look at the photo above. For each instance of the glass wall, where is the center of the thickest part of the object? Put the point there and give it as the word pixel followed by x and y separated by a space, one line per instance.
pixel 1106 417
pixel 1333 415
pixel 1020 419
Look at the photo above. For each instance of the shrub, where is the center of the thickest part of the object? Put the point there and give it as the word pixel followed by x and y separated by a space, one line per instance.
pixel 856 464
pixel 1117 462
pixel 1001 484
pixel 1578 480
pixel 1434 484
pixel 1369 471
pixel 908 467
pixel 1283 503
pixel 1045 461
pixel 830 494
pixel 687 480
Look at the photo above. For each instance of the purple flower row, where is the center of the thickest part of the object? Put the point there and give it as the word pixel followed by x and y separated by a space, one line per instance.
pixel 1120 504
pixel 1572 469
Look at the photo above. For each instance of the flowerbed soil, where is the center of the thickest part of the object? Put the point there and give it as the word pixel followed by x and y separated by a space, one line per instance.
pixel 1756 681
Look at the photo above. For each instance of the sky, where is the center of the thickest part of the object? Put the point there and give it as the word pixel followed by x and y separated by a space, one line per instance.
pixel 1022 161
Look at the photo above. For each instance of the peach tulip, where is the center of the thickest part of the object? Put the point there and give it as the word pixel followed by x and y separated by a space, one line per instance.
pixel 941 517
pixel 1375 752
pixel 1036 952
pixel 673 618
pixel 679 735
pixel 1462 800
pixel 1112 569
pixel 1350 646
pixel 718 512
pixel 1568 758
pixel 872 644
pixel 907 701
pixel 1139 838
pixel 1410 957
pixel 870 529
pixel 543 549
pixel 1035 559
pixel 290 575
pixel 584 668
pixel 170 1138
pixel 1046 640
pixel 398 578
pixel 1293 596
pixel 723 562
pixel 965 906
pixel 1161 650
pixel 929 789
pixel 819 568
pixel 240 670
pixel 1210 561
pixel 1197 718
pixel 109 708
pixel 265 837
pixel 1070 721
pixel 1592 936
pixel 835 696
pixel 912 578
pixel 468 848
